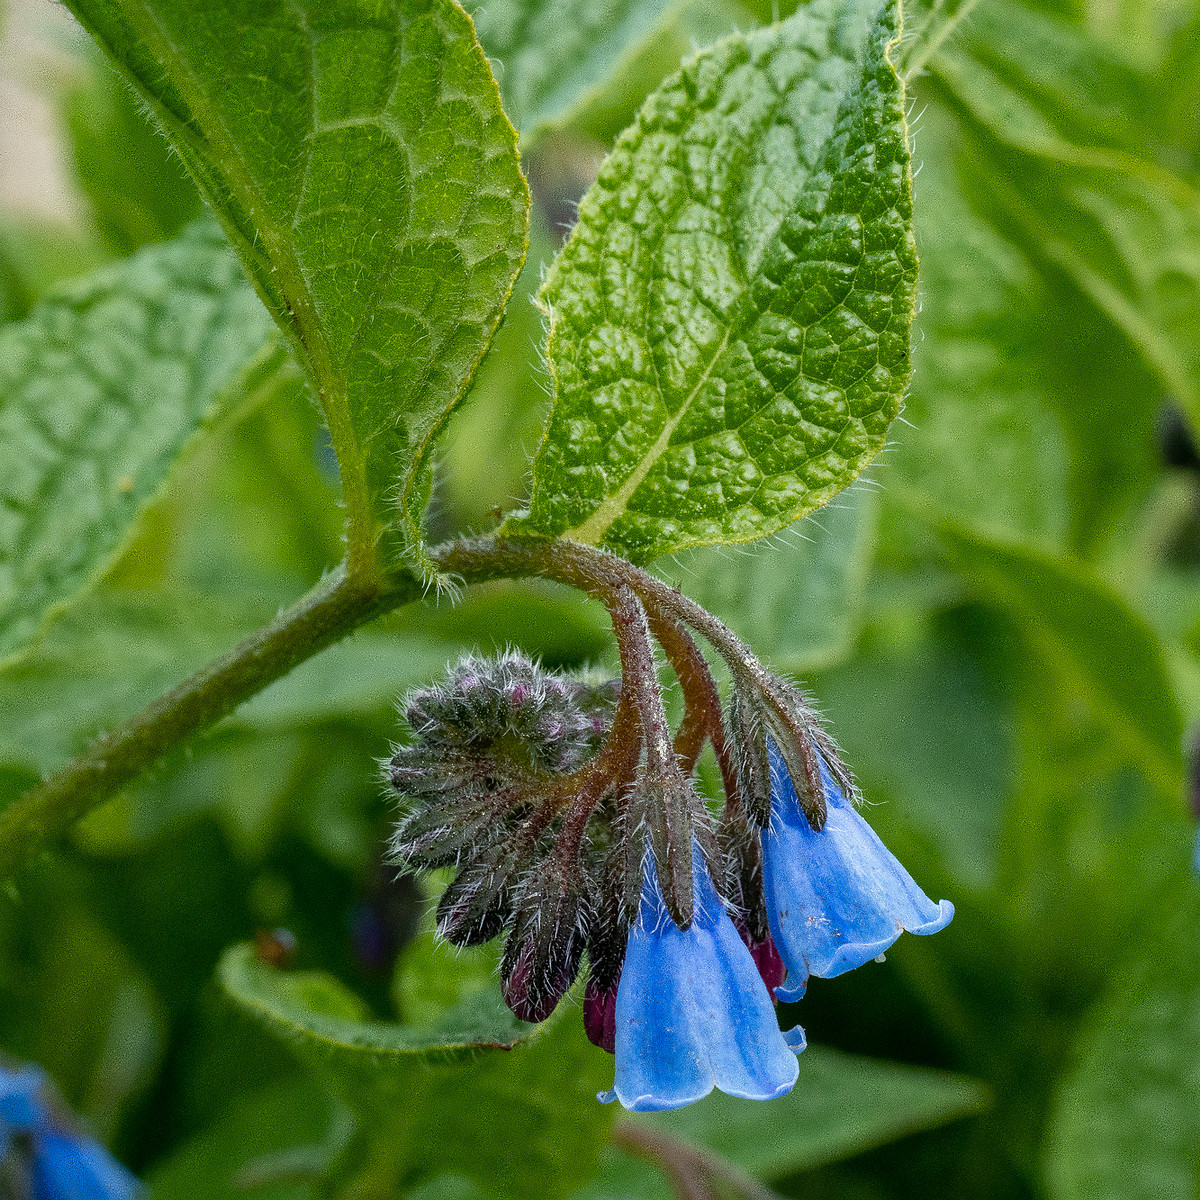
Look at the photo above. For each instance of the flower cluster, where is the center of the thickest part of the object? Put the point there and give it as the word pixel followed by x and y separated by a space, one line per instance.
pixel 42 1156
pixel 569 814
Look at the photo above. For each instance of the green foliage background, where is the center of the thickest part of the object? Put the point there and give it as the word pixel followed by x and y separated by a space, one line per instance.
pixel 1001 621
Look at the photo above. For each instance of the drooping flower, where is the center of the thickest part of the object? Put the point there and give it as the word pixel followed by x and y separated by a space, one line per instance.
pixel 691 1011
pixel 42 1157
pixel 838 897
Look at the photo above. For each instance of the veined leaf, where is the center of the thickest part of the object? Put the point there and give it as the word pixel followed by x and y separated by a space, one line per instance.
pixel 480 1093
pixel 100 389
pixel 359 159
pixel 555 56
pixel 729 321
pixel 1125 1125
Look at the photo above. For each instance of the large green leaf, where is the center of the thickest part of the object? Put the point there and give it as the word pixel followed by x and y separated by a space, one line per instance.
pixel 480 1093
pixel 100 389
pixel 981 440
pixel 138 192
pixel 359 159
pixel 1066 163
pixel 1125 1124
pixel 555 56
pixel 1093 642
pixel 271 1145
pixel 101 662
pixel 730 317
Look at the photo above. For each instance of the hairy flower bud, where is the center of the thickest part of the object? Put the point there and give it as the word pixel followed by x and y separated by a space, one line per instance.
pixel 748 745
pixel 502 718
pixel 545 945
pixel 478 903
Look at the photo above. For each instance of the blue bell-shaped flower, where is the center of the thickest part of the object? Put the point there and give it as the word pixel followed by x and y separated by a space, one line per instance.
pixel 53 1161
pixel 835 898
pixel 692 1012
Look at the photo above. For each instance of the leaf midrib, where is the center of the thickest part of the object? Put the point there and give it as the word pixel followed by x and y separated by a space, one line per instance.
pixel 301 325
pixel 592 530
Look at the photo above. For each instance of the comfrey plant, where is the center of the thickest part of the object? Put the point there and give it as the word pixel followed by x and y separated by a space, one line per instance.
pixel 727 341
pixel 570 817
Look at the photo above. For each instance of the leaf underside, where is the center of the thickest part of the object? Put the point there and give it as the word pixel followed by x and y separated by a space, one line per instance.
pixel 100 388
pixel 358 157
pixel 729 322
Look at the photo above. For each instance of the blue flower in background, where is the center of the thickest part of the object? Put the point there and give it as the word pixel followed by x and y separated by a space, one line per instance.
pixel 42 1158
pixel 837 898
pixel 692 1012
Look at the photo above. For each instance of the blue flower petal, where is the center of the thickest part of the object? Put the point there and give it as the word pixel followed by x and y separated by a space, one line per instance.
pixel 837 898
pixel 22 1108
pixel 692 1010
pixel 66 1167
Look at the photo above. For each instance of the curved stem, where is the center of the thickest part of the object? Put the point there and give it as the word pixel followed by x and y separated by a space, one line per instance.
pixel 341 603
pixel 337 605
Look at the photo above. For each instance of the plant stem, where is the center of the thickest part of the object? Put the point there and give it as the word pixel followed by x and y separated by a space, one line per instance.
pixel 339 604
pixel 332 609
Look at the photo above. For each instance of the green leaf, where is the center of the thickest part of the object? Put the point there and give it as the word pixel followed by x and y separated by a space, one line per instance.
pixel 102 661
pixel 554 56
pixel 927 24
pixel 73 1000
pixel 729 321
pixel 841 1105
pixel 101 388
pixel 1093 641
pixel 1027 419
pixel 980 440
pixel 359 159
pixel 1067 165
pixel 797 604
pixel 1125 1125
pixel 480 1093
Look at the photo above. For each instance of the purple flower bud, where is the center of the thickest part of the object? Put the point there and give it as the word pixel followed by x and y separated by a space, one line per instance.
pixel 478 903
pixel 600 1015
pixel 545 945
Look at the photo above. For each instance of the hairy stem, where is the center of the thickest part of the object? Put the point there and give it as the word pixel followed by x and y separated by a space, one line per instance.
pixel 341 603
pixel 332 609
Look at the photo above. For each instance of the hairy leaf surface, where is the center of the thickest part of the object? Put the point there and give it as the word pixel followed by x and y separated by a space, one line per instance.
pixel 358 156
pixel 729 321
pixel 100 388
